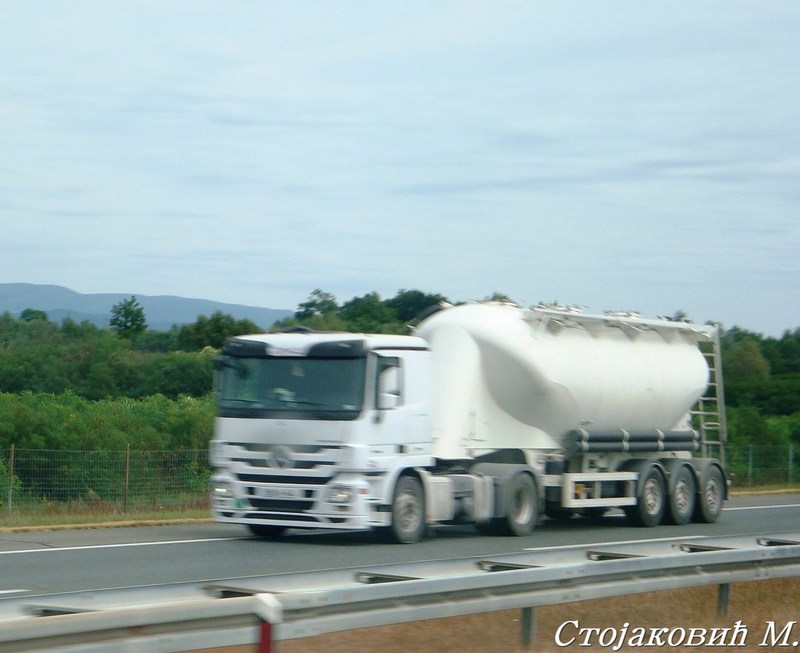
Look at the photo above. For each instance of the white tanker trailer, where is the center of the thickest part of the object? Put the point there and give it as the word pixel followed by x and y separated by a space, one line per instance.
pixel 489 414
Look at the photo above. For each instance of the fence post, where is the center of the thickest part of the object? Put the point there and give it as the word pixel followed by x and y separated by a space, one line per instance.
pixel 127 476
pixel 11 479
pixel 750 465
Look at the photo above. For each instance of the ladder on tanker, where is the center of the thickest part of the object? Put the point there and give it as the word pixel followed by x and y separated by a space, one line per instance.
pixel 708 414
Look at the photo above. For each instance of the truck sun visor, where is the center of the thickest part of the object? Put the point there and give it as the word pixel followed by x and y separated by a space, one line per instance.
pixel 243 348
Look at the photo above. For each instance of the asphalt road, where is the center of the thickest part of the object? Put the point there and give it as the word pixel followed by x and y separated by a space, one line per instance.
pixel 47 562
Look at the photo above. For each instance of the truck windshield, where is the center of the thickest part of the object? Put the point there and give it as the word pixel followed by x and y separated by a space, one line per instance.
pixel 291 388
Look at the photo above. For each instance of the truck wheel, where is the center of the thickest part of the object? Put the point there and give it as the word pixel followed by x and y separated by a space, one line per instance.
pixel 711 496
pixel 408 511
pixel 521 505
pixel 265 530
pixel 651 504
pixel 683 497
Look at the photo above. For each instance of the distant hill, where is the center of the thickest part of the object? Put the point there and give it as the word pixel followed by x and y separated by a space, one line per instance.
pixel 161 311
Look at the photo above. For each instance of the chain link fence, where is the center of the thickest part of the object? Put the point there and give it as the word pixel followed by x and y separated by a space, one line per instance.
pixel 104 481
pixel 753 465
pixel 127 481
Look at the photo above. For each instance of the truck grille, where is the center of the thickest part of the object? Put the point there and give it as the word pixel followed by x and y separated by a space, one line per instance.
pixel 275 478
pixel 269 471
pixel 278 505
pixel 298 464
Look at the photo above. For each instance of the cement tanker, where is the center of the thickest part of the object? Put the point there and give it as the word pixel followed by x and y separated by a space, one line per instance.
pixel 512 378
pixel 489 413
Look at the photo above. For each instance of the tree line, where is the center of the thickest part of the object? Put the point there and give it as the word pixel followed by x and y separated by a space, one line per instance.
pixel 88 368
pixel 762 386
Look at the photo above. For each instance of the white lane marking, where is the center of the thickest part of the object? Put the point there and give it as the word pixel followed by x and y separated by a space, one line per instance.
pixel 655 539
pixel 13 591
pixel 583 546
pixel 89 547
pixel 777 505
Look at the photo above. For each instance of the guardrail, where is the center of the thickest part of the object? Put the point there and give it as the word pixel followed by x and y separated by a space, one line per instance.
pixel 266 609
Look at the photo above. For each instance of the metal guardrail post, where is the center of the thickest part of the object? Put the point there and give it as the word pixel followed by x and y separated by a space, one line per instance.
pixel 269 612
pixel 528 626
pixel 723 599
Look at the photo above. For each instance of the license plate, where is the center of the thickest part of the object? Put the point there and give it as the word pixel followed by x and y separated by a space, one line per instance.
pixel 279 492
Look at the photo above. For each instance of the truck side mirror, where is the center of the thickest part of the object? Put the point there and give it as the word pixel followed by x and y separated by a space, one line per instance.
pixel 387 387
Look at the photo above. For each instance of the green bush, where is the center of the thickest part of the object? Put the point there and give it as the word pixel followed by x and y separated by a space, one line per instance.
pixel 66 422
pixel 70 448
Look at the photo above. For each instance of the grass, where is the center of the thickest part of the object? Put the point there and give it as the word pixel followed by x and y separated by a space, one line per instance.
pixel 93 512
pixel 776 488
pixel 22 522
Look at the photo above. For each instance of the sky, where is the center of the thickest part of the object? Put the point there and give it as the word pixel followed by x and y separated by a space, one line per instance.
pixel 615 155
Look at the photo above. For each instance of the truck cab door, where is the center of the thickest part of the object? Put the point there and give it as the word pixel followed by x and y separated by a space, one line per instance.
pixel 391 423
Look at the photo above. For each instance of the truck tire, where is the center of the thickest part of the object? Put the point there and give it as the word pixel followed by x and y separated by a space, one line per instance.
pixel 522 507
pixel 408 511
pixel 710 496
pixel 683 497
pixel 266 530
pixel 652 500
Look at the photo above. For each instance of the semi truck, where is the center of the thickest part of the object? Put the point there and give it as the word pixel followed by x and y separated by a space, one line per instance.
pixel 487 413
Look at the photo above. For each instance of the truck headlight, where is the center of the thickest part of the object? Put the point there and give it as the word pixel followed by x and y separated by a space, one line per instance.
pixel 221 489
pixel 340 494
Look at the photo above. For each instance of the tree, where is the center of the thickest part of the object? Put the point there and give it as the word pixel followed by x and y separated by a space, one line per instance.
pixel 497 296
pixel 127 318
pixel 369 314
pixel 408 304
pixel 678 316
pixel 746 425
pixel 213 331
pixel 318 304
pixel 72 331
pixel 789 350
pixel 30 314
pixel 744 363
